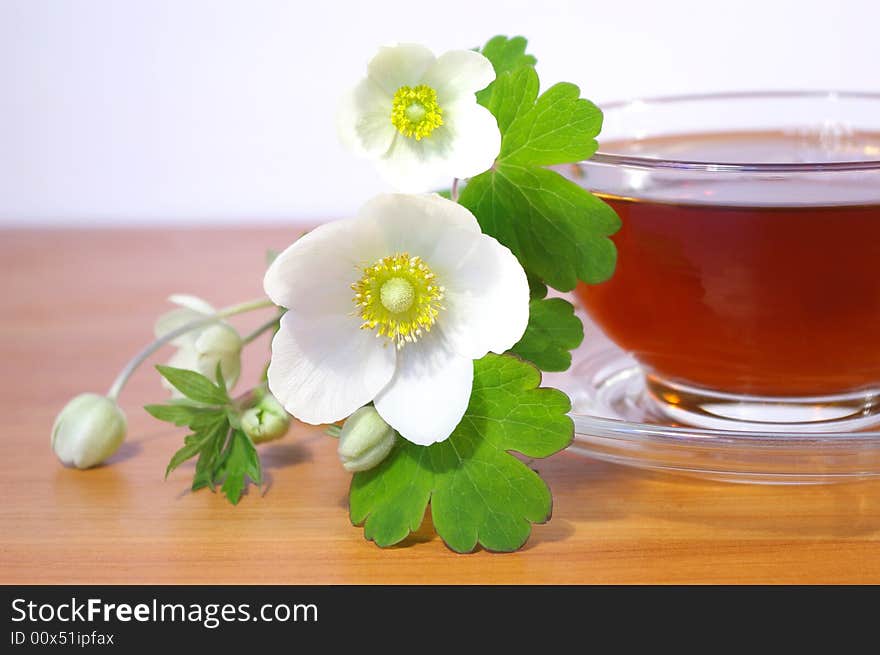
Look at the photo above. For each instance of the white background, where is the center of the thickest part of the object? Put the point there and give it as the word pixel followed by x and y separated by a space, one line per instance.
pixel 199 111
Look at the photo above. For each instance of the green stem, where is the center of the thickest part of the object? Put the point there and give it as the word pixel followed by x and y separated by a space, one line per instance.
pixel 249 397
pixel 139 359
pixel 263 328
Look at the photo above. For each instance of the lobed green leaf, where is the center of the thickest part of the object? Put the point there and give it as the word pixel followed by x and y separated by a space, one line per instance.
pixel 514 95
pixel 479 493
pixel 558 231
pixel 553 331
pixel 560 127
pixel 390 500
pixel 506 55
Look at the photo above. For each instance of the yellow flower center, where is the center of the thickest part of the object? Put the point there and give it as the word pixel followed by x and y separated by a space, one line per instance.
pixel 399 297
pixel 415 112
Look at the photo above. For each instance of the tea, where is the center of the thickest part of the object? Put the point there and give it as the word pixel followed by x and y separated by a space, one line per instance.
pixel 752 288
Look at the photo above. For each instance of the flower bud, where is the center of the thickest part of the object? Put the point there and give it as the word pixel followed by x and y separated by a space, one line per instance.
pixel 365 440
pixel 202 349
pixel 219 344
pixel 265 421
pixel 88 430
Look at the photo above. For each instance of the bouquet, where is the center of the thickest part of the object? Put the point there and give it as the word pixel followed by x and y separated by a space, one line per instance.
pixel 417 330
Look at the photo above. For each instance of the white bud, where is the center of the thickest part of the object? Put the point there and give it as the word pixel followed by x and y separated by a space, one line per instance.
pixel 88 430
pixel 365 440
pixel 265 421
pixel 202 349
pixel 219 344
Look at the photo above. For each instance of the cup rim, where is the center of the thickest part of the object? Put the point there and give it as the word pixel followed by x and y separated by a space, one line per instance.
pixel 635 161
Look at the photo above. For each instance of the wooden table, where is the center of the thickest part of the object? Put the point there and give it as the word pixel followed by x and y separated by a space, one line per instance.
pixel 77 304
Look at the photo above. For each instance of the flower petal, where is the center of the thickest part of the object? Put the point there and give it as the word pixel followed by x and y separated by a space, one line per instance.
pixel 413 166
pixel 429 393
pixel 459 73
pixel 314 275
pixel 192 302
pixel 400 65
pixel 324 368
pixel 218 338
pixel 474 138
pixel 487 295
pixel 219 343
pixel 174 319
pixel 415 223
pixel 364 119
pixel 191 308
pixel 465 145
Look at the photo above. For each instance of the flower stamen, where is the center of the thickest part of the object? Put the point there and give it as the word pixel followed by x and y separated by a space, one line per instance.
pixel 415 111
pixel 398 296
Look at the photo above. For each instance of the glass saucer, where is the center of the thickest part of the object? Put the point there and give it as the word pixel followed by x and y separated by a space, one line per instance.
pixel 616 421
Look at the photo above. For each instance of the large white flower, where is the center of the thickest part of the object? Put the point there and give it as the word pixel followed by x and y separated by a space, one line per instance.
pixel 203 348
pixel 417 116
pixel 393 307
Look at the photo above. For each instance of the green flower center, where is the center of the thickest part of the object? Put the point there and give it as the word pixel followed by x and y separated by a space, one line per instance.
pixel 415 112
pixel 399 297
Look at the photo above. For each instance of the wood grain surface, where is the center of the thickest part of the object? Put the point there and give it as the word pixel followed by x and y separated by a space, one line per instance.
pixel 77 304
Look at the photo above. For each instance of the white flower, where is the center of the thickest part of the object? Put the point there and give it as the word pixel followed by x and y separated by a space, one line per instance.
pixel 203 348
pixel 417 116
pixel 414 271
pixel 88 430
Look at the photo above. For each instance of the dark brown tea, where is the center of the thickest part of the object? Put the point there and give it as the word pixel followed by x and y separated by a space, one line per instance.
pixel 731 288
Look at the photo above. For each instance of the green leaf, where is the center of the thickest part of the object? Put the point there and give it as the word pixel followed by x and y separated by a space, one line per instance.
pixel 537 289
pixel 487 497
pixel 204 475
pixel 479 492
pixel 180 413
pixel 390 500
pixel 191 447
pixel 240 462
pixel 558 231
pixel 221 381
pixel 194 444
pixel 506 55
pixel 225 454
pixel 514 94
pixel 194 385
pixel 553 331
pixel 560 127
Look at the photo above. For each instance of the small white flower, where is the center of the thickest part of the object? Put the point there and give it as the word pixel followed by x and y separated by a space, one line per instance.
pixel 203 348
pixel 393 307
pixel 418 117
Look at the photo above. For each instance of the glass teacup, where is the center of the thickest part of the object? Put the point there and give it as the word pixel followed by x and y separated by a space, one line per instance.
pixel 748 276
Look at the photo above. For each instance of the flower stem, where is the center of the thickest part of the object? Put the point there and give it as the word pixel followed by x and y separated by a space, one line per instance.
pixel 245 400
pixel 139 359
pixel 454 193
pixel 263 328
